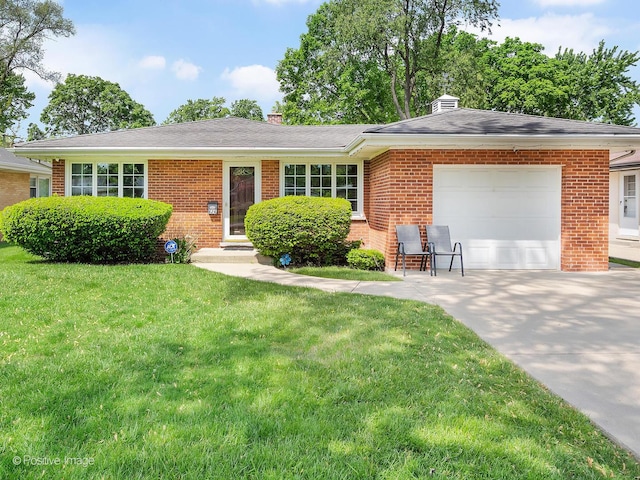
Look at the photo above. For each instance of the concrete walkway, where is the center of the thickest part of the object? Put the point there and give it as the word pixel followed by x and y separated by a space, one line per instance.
pixel 577 333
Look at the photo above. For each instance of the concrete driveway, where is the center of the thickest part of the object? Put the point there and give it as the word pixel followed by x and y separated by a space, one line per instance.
pixel 577 333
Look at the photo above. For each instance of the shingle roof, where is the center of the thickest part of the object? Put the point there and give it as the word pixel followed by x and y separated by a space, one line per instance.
pixel 238 134
pixel 8 161
pixel 466 121
pixel 218 133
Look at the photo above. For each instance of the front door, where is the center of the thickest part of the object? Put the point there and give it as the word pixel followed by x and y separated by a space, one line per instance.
pixel 629 205
pixel 242 189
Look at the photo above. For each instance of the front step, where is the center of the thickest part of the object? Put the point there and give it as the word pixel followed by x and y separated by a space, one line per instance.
pixel 229 255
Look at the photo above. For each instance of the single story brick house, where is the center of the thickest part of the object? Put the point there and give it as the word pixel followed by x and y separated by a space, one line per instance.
pixel 519 191
pixel 21 179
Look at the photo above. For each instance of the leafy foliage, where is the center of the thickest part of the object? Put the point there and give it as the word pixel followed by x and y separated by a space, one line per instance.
pixel 87 229
pixel 362 53
pixel 522 79
pixel 24 25
pixel 15 100
pixel 368 61
pixel 245 108
pixel 200 109
pixel 312 230
pixel 84 104
pixel 365 259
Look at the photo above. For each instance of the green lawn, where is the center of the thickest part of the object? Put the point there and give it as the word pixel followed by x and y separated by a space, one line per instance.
pixel 170 371
pixel 345 273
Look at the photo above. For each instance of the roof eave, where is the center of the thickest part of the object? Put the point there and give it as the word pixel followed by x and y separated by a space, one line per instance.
pixel 372 144
pixel 163 153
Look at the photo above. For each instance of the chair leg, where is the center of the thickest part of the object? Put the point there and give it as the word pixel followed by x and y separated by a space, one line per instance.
pixel 434 266
pixel 404 266
pixel 451 264
pixel 396 267
pixel 461 264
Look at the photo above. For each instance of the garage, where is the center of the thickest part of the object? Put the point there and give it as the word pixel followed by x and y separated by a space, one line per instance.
pixel 507 217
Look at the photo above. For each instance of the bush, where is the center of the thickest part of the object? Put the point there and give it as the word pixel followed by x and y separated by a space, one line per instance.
pixel 312 230
pixel 365 259
pixel 87 229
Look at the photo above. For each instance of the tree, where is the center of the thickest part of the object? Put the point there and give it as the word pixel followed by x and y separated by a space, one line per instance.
pixel 84 104
pixel 15 100
pixel 245 108
pixel 362 53
pixel 601 88
pixel 200 109
pixel 24 24
pixel 596 87
pixel 322 86
pixel 522 79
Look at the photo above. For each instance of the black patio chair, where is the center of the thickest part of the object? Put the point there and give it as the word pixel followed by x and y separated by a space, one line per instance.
pixel 439 244
pixel 410 243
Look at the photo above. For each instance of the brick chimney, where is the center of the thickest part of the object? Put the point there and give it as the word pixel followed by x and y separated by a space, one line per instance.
pixel 274 118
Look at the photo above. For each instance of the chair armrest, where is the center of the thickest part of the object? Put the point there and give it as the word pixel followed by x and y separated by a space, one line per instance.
pixel 455 246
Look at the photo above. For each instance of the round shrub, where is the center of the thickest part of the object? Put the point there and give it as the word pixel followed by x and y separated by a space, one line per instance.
pixel 312 230
pixel 87 229
pixel 365 259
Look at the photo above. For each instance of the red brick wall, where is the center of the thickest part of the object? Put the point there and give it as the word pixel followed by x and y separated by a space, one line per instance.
pixel 14 188
pixel 402 187
pixel 57 177
pixel 189 185
pixel 270 179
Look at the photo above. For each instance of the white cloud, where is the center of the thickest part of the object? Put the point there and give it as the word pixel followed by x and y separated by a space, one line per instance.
pixel 581 33
pixel 568 3
pixel 153 62
pixel 253 81
pixel 185 70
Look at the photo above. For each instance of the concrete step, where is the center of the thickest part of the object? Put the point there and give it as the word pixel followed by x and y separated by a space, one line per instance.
pixel 229 255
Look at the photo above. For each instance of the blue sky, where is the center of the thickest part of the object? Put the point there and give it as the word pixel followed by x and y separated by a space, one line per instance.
pixel 164 52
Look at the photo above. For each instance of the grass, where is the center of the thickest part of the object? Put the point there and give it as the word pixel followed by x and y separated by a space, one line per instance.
pixel 345 273
pixel 628 263
pixel 169 371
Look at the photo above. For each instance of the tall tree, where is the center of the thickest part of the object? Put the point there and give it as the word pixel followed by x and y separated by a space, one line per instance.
pixel 596 87
pixel 356 49
pixel 200 109
pixel 24 25
pixel 245 108
pixel 522 79
pixel 15 100
pixel 84 104
pixel 601 88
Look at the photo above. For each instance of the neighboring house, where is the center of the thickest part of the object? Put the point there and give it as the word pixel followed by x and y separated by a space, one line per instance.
pixel 21 179
pixel 519 191
pixel 624 219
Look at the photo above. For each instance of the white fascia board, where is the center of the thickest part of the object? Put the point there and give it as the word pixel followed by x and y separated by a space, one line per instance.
pixel 372 142
pixel 198 153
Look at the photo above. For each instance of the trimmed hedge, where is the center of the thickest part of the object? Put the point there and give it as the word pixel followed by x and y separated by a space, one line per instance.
pixel 366 259
pixel 312 230
pixel 87 229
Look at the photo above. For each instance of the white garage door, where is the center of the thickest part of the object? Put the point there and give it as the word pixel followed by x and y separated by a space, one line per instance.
pixel 507 217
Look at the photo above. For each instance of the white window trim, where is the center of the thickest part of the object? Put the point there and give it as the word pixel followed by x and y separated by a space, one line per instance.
pixel 357 214
pixel 37 179
pixel 94 183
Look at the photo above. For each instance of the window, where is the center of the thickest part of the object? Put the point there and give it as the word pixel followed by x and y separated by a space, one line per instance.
pixel 324 180
pixel 39 187
pixel 108 179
